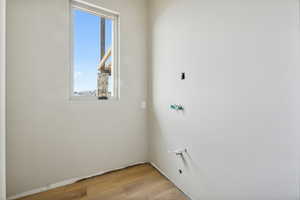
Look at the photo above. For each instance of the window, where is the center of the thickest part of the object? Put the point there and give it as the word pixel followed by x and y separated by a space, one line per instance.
pixel 95 52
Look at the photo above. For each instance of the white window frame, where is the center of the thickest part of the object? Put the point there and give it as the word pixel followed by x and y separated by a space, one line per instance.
pixel 115 17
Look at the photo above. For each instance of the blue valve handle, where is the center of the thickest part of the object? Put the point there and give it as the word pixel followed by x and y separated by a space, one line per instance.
pixel 176 107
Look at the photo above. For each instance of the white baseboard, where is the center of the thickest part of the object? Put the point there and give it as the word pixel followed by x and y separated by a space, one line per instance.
pixel 67 182
pixel 156 167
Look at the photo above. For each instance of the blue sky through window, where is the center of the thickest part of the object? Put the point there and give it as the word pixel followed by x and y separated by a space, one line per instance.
pixel 87 49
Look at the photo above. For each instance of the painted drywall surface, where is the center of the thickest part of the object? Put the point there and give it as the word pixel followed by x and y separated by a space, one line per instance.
pixel 51 139
pixel 2 99
pixel 240 59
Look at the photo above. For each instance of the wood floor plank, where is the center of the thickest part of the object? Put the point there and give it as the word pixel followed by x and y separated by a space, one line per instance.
pixel 142 182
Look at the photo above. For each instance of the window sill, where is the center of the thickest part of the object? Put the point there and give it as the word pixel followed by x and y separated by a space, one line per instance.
pixel 90 98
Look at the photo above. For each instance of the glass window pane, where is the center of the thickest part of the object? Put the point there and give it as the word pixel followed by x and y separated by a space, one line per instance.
pixel 91 79
pixel 86 35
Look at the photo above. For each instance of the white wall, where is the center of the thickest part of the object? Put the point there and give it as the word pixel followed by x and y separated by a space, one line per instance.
pixel 2 100
pixel 49 138
pixel 242 83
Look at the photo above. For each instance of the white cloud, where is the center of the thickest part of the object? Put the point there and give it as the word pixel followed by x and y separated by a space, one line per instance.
pixel 77 75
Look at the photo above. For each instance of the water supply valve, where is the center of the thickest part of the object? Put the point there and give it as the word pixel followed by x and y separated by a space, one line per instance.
pixel 176 107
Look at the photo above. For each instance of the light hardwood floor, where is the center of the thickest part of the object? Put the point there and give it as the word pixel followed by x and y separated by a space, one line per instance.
pixel 141 182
